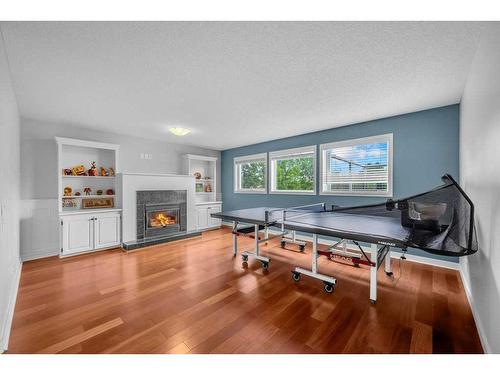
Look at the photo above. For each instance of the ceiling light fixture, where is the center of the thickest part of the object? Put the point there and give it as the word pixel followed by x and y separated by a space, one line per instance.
pixel 179 131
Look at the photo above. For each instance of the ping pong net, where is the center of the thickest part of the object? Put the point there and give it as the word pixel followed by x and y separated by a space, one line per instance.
pixel 282 214
pixel 440 221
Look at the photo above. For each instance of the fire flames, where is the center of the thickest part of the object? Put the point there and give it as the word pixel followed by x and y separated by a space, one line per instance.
pixel 161 220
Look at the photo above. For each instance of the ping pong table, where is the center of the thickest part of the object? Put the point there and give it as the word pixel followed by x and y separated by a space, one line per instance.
pixel 316 220
pixel 439 221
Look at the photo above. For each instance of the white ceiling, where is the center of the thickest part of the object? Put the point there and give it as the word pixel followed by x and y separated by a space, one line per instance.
pixel 234 83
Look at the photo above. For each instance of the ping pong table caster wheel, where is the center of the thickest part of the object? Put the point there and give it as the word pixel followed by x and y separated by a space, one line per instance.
pixel 265 266
pixel 328 288
pixel 373 302
pixel 282 244
pixel 302 248
pixel 244 259
pixel 295 276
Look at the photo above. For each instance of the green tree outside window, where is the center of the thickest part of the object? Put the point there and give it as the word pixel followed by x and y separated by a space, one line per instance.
pixel 295 174
pixel 253 175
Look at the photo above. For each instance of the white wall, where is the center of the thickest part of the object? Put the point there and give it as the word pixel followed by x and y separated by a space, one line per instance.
pixel 480 177
pixel 10 265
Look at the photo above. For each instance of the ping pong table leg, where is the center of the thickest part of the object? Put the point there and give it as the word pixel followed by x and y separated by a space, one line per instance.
pixel 235 239
pixel 257 249
pixel 387 263
pixel 373 273
pixel 327 280
pixel 256 253
pixel 314 265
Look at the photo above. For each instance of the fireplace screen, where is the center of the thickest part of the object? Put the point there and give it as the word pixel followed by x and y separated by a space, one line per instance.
pixel 161 219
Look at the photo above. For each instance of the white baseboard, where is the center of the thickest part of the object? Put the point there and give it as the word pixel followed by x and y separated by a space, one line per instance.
pixel 7 324
pixel 40 253
pixel 394 254
pixel 468 292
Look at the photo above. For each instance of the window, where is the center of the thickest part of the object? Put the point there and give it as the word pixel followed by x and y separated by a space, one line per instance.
pixel 293 171
pixel 250 174
pixel 357 167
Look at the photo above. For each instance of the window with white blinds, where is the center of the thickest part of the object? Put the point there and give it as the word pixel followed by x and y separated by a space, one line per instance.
pixel 293 171
pixel 357 167
pixel 250 174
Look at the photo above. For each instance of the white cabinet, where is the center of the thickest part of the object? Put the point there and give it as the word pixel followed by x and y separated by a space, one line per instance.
pixel 88 232
pixel 77 234
pixel 201 217
pixel 215 222
pixel 204 220
pixel 106 231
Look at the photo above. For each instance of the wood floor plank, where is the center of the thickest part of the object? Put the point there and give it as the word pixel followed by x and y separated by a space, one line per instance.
pixel 193 296
pixel 421 340
pixel 60 346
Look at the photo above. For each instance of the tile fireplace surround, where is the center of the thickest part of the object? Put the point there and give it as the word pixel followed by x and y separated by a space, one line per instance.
pixel 162 200
pixel 144 194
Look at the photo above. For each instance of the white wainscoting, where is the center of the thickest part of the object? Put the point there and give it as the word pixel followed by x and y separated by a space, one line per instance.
pixel 39 228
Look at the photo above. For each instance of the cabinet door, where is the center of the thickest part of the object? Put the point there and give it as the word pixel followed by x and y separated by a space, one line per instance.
pixel 214 221
pixel 78 234
pixel 107 230
pixel 201 217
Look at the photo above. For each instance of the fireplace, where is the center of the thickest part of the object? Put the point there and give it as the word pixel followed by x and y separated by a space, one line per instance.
pixel 160 214
pixel 161 219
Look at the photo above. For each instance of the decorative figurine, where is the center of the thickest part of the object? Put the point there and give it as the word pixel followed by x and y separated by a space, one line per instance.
pixel 79 170
pixel 110 192
pixel 93 169
pixel 208 188
pixel 67 191
pixel 197 175
pixel 67 172
pixel 104 172
pixel 111 171
pixel 77 194
pixel 99 192
pixel 87 191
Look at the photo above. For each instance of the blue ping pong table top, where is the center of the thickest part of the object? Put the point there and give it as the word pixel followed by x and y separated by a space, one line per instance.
pixel 365 228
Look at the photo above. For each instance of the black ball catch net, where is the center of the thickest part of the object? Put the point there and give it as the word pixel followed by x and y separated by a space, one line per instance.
pixel 440 221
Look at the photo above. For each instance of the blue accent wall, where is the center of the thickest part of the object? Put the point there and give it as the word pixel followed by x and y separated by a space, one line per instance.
pixel 426 146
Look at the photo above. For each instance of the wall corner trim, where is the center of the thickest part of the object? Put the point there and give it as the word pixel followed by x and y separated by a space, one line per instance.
pixel 468 292
pixel 7 323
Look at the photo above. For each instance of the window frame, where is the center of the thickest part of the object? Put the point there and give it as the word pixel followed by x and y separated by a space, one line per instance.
pixel 389 138
pixel 237 176
pixel 275 155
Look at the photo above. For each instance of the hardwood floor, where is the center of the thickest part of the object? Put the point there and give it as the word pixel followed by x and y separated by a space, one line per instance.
pixel 194 297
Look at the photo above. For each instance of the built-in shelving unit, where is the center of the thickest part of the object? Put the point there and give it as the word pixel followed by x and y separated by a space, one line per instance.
pixel 207 202
pixel 87 229
pixel 74 152
pixel 206 167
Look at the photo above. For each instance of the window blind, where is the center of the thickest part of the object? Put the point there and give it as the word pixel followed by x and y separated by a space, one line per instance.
pixel 358 166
